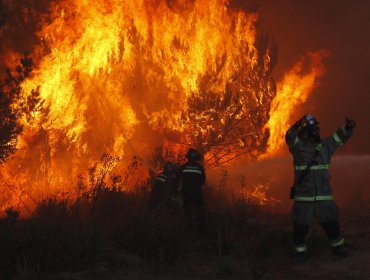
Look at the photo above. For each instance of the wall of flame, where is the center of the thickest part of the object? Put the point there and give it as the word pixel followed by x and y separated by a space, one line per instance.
pixel 121 77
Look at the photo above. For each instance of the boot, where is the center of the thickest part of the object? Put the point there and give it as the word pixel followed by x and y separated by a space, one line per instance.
pixel 340 251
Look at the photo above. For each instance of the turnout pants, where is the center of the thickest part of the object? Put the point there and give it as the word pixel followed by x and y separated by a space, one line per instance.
pixel 193 197
pixel 327 214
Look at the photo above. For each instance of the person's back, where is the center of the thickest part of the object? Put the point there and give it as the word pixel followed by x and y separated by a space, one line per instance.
pixel 192 178
pixel 164 185
pixel 158 190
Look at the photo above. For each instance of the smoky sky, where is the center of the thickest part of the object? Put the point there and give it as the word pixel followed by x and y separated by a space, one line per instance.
pixel 343 28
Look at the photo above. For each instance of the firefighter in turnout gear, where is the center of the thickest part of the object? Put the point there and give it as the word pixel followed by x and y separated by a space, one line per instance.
pixel 312 192
pixel 164 185
pixel 192 178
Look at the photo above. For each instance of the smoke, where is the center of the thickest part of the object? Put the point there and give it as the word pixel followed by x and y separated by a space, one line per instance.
pixel 342 27
pixel 350 179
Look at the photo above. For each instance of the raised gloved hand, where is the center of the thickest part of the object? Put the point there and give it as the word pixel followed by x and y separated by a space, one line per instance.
pixel 350 124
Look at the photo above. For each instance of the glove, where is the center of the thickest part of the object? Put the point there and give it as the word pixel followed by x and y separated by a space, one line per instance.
pixel 350 124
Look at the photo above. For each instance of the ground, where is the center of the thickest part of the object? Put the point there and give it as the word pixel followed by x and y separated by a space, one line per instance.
pixel 323 265
pixel 198 263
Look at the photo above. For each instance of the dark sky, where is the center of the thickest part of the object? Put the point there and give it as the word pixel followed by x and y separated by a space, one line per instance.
pixel 343 28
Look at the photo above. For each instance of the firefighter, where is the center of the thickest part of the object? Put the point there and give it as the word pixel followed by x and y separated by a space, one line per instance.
pixel 164 185
pixel 312 191
pixel 192 178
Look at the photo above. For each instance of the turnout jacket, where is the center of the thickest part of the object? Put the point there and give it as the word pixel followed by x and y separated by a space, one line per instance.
pixel 193 176
pixel 165 183
pixel 159 189
pixel 316 184
pixel 163 186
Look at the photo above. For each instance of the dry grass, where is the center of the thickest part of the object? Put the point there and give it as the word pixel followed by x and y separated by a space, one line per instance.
pixel 114 227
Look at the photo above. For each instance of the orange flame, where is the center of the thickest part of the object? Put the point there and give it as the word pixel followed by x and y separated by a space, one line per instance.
pixel 259 196
pixel 292 91
pixel 133 62
pixel 117 76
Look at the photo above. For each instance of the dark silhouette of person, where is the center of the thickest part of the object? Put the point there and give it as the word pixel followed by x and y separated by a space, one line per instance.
pixel 164 185
pixel 192 179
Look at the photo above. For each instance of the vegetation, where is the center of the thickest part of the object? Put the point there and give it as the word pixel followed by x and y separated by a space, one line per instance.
pixel 107 225
pixel 13 107
pixel 225 125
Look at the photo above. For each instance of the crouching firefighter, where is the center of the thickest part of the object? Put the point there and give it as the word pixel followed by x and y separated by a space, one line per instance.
pixel 192 178
pixel 311 191
pixel 164 185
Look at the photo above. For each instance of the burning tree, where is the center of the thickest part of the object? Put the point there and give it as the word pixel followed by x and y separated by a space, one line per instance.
pixel 11 109
pixel 224 125
pixel 126 76
pixel 193 72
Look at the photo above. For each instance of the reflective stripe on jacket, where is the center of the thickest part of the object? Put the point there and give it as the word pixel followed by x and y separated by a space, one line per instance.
pixel 162 177
pixel 192 175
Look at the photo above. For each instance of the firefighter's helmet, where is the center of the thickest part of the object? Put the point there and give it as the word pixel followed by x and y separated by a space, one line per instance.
pixel 307 121
pixel 309 124
pixel 193 154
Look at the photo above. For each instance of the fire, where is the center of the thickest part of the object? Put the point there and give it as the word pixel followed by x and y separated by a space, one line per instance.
pixel 292 92
pixel 259 196
pixel 142 62
pixel 256 193
pixel 124 77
